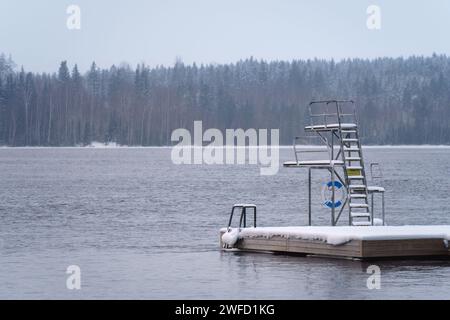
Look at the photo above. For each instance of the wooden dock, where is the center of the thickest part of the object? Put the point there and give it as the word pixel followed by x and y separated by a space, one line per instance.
pixel 357 249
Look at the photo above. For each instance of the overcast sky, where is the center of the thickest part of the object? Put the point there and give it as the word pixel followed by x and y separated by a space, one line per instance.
pixel 34 32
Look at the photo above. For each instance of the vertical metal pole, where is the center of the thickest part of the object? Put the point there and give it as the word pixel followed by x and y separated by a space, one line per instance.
pixel 349 209
pixel 371 209
pixel 309 197
pixel 231 218
pixel 241 219
pixel 382 209
pixel 332 197
pixel 332 145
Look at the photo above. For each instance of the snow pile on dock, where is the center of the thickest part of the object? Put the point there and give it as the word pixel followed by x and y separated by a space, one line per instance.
pixel 341 235
pixel 231 237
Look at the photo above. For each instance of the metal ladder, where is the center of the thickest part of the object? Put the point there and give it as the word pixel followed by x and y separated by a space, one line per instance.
pixel 336 123
pixel 355 176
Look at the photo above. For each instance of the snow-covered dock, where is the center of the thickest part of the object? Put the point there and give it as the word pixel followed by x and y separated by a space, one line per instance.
pixel 335 124
pixel 352 242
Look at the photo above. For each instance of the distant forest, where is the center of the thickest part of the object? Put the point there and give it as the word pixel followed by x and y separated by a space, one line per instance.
pixel 400 100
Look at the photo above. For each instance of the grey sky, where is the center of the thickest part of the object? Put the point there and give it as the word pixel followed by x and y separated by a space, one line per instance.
pixel 205 31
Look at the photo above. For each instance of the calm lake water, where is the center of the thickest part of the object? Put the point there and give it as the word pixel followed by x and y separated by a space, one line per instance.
pixel 140 227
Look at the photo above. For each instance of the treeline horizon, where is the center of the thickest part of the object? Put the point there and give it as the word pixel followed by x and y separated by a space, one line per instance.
pixel 399 100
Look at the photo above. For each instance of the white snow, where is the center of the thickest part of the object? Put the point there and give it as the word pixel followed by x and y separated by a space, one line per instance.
pixel 340 235
pixel 230 237
pixel 96 144
pixel 375 189
pixel 377 222
pixel 244 205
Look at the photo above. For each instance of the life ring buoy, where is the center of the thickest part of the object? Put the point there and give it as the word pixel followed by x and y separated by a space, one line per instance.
pixel 338 195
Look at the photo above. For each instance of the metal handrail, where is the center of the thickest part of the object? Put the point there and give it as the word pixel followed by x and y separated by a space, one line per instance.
pixel 243 217
pixel 338 114
pixel 372 176
pixel 331 101
pixel 296 151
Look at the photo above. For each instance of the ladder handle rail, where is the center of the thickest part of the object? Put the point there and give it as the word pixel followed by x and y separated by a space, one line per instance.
pixel 243 217
pixel 231 218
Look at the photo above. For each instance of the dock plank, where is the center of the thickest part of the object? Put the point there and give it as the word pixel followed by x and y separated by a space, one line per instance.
pixel 350 249
pixel 408 247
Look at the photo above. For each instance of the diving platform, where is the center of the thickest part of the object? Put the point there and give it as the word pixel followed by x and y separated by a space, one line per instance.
pixel 331 127
pixel 313 163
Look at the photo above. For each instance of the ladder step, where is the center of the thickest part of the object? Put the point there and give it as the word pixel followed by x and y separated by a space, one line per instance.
pixel 360 215
pixel 361 223
pixel 348 131
pixel 352 159
pixel 354 168
pixel 349 140
pixel 357 186
pixel 358 205
pixel 358 195
pixel 351 149
pixel 356 177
